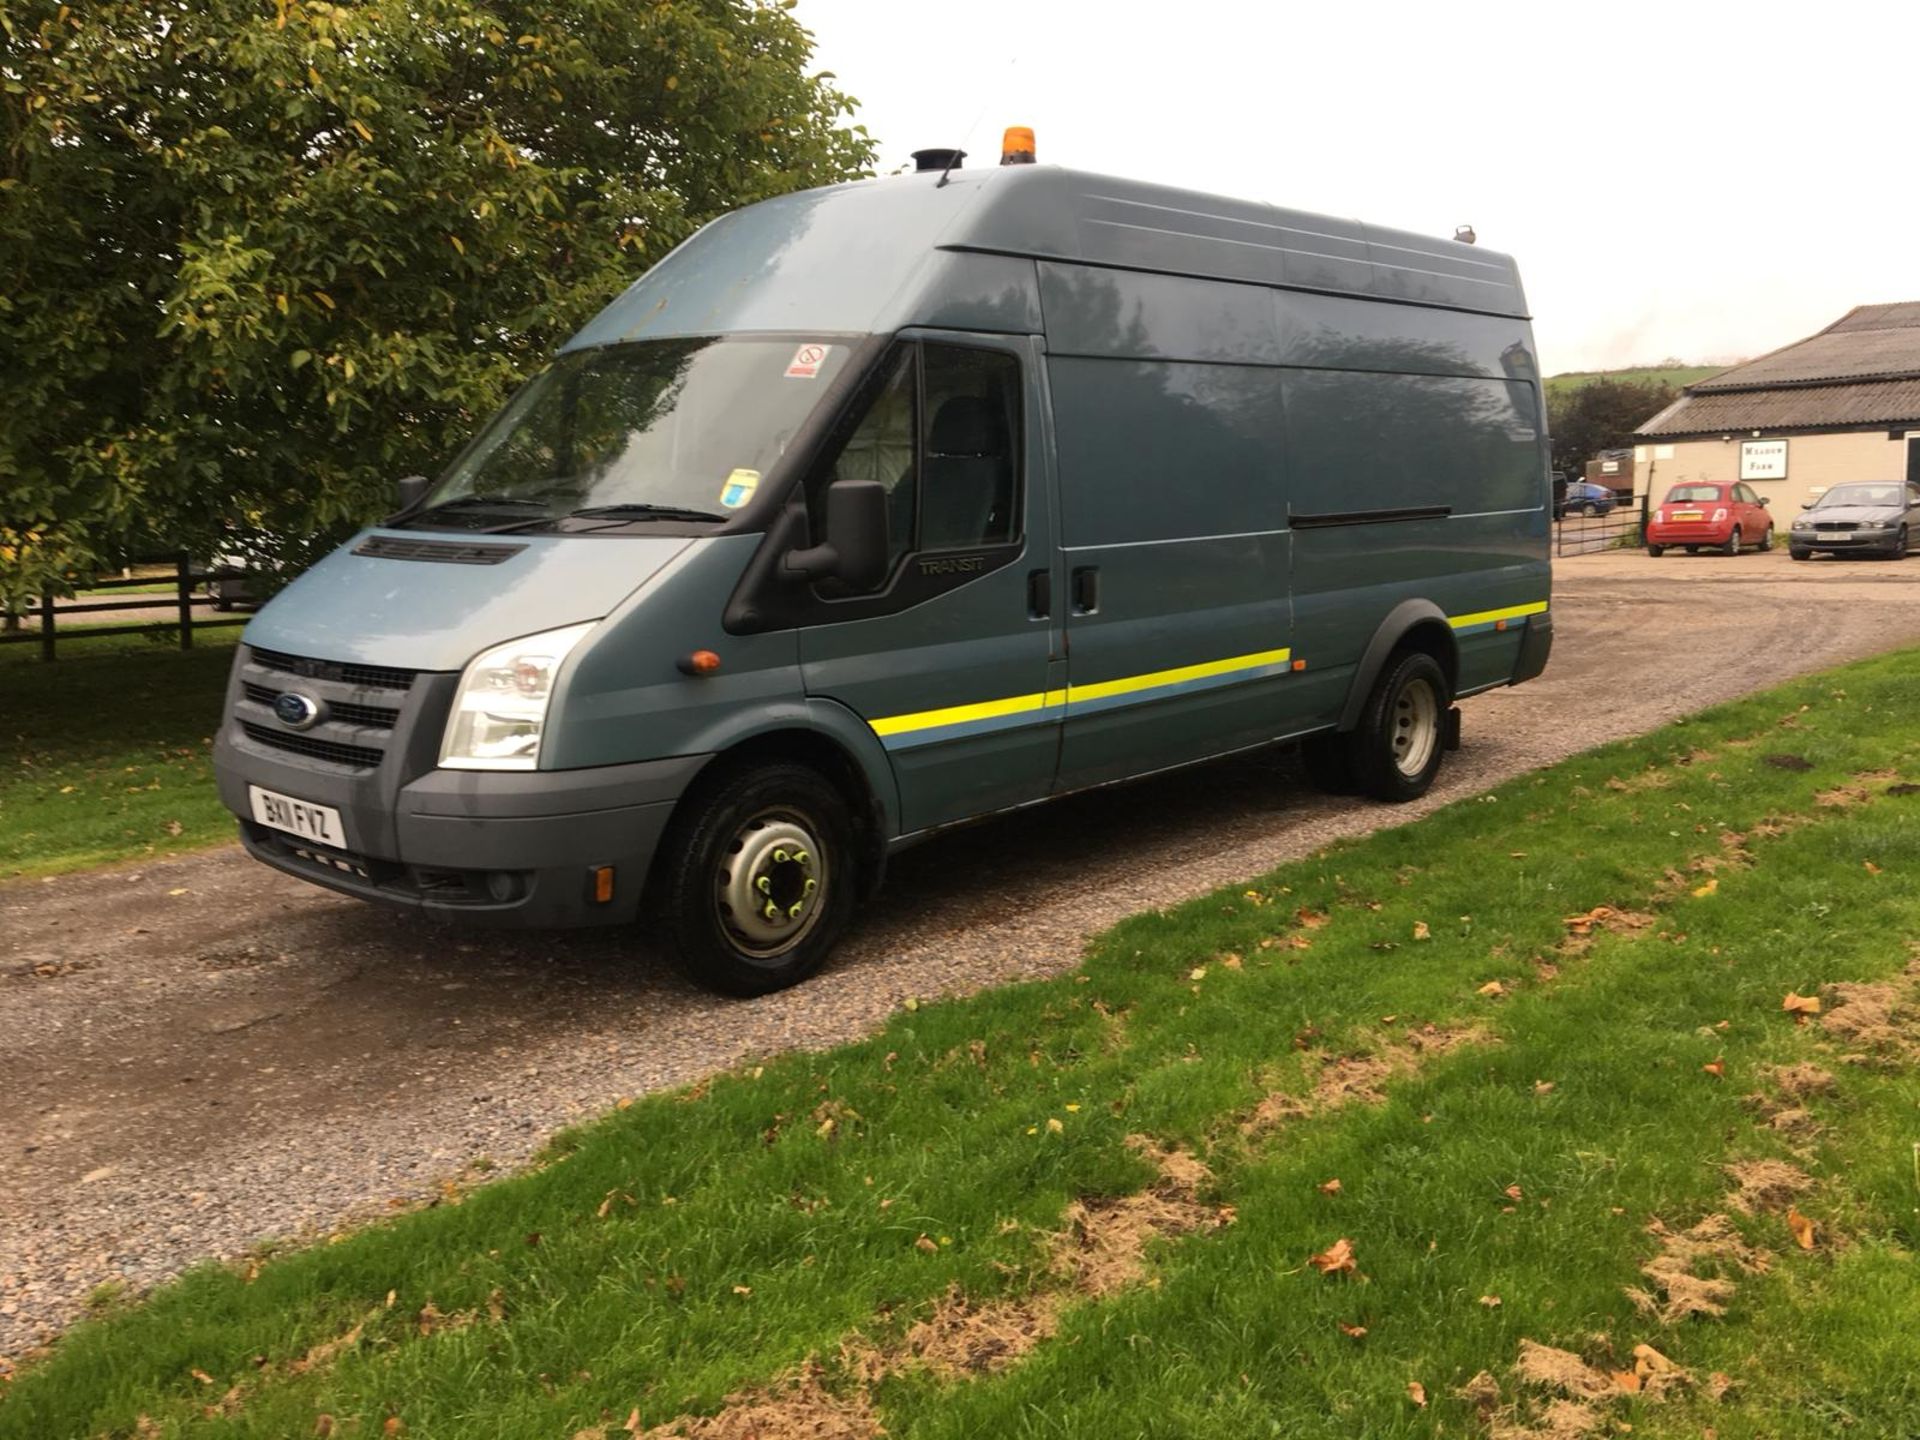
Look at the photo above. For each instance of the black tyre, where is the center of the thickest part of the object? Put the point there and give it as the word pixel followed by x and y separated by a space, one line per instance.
pixel 1693 549
pixel 1732 547
pixel 1656 551
pixel 1590 509
pixel 1899 551
pixel 1396 748
pixel 1328 760
pixel 1766 539
pixel 759 877
pixel 1795 552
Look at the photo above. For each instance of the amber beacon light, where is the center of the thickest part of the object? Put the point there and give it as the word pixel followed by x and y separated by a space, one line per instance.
pixel 1016 146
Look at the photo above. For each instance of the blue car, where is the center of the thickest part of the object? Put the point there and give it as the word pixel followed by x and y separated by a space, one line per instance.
pixel 1583 497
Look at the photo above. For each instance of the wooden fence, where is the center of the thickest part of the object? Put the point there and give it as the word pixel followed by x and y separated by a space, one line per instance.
pixel 53 618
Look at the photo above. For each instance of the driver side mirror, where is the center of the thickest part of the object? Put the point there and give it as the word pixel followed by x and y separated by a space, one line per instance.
pixel 855 550
pixel 1806 504
pixel 413 489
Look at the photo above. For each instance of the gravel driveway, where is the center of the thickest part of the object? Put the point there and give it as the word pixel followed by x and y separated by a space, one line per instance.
pixel 201 1053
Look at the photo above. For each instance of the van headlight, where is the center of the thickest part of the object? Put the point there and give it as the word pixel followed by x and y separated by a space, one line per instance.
pixel 501 707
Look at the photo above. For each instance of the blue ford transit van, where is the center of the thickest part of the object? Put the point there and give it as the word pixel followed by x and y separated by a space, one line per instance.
pixel 879 508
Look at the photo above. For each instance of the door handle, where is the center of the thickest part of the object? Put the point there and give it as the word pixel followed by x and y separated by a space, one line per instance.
pixel 1039 594
pixel 1086 590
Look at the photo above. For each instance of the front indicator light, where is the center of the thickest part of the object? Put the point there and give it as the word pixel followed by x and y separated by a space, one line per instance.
pixel 501 708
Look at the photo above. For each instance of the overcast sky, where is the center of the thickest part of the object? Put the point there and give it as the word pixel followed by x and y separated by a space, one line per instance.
pixel 1707 181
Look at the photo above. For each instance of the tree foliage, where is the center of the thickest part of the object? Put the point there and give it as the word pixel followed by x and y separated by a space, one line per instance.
pixel 1601 415
pixel 263 257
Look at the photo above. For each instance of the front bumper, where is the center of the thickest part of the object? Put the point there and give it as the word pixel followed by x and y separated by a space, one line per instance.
pixel 498 848
pixel 1883 542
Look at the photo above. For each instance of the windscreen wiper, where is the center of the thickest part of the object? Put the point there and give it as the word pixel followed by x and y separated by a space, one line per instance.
pixel 638 510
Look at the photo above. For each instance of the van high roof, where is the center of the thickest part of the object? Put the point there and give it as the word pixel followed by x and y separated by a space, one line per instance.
pixel 872 256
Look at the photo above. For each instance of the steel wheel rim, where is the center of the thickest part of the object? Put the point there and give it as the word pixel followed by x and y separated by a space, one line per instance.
pixel 771 885
pixel 1414 727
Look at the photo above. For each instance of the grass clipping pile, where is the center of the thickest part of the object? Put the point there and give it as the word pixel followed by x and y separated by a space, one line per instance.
pixel 1100 1248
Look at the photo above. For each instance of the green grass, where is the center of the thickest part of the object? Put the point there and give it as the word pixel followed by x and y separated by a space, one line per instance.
pixel 110 749
pixel 1674 375
pixel 714 1238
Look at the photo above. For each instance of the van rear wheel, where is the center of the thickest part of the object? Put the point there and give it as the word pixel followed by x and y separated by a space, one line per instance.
pixel 1397 746
pixel 759 878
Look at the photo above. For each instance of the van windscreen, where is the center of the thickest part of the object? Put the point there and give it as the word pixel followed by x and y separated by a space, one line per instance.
pixel 681 426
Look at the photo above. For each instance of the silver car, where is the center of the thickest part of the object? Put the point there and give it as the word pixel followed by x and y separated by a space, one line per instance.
pixel 1876 517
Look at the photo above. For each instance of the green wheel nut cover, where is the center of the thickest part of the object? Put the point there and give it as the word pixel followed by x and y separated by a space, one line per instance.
pixel 764 885
pixel 772 912
pixel 793 910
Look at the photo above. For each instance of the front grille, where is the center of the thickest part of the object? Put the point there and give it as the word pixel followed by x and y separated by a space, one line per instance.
pixel 358 757
pixel 445 552
pixel 1827 527
pixel 379 677
pixel 377 716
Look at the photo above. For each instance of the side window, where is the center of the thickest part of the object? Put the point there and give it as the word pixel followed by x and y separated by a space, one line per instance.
pixel 970 471
pixel 880 446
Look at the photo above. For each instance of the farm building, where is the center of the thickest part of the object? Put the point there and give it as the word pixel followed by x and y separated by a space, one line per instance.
pixel 1840 405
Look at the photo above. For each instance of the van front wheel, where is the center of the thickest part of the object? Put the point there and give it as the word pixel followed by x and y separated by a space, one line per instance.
pixel 759 878
pixel 1397 745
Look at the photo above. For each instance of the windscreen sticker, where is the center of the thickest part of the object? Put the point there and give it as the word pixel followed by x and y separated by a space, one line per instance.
pixel 807 361
pixel 739 488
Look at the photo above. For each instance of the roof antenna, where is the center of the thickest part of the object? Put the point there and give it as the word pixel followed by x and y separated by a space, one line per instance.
pixel 953 160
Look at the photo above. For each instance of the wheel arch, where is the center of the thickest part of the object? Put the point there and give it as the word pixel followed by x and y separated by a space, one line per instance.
pixel 1411 625
pixel 833 741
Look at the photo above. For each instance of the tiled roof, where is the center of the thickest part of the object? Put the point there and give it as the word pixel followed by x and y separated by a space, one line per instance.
pixel 1869 341
pixel 1877 402
pixel 1864 369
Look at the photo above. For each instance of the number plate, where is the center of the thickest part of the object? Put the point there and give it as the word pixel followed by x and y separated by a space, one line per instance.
pixel 319 823
pixel 1689 514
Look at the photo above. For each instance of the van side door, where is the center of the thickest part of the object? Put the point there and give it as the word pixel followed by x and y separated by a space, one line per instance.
pixel 954 658
pixel 1173 524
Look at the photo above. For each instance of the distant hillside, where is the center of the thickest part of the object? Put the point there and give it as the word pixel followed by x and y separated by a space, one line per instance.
pixel 1674 375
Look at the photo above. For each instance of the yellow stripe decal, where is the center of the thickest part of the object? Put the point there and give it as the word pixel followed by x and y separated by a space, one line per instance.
pixel 1056 699
pixel 1155 679
pixel 960 714
pixel 1487 617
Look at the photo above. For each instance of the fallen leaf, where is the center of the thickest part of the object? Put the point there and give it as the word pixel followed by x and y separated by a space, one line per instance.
pixel 1231 962
pixel 1716 1067
pixel 1420 932
pixel 1493 990
pixel 394 1425
pixel 1417 1393
pixel 1352 1332
pixel 202 1376
pixel 1336 1259
pixel 1649 1361
pixel 748 1289
pixel 1802 1227
pixel 1700 892
pixel 1514 1192
pixel 1309 919
pixel 1054 1127
pixel 179 891
pixel 1800 1006
pixel 1626 1380
pixel 1330 1187
pixel 1872 869
pixel 632 1427
pixel 1543 1087
pixel 925 1246
pixel 1492 1302
pixel 1199 972
pixel 174 827
pixel 323 1425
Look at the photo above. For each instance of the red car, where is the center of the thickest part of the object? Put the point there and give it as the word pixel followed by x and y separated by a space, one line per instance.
pixel 1728 518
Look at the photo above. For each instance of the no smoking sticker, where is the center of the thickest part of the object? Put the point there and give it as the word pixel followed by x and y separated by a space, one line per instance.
pixel 807 361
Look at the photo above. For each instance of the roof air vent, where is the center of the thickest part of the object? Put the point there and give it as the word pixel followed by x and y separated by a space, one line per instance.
pixel 941 159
